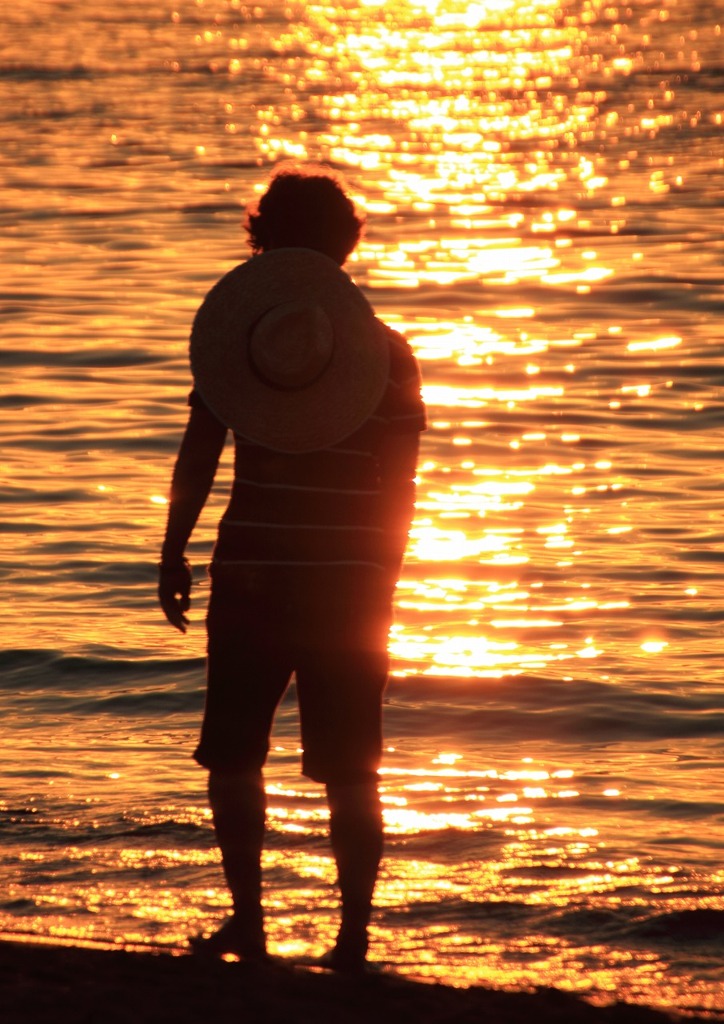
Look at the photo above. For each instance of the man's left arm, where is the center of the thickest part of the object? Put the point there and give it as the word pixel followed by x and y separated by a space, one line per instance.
pixel 193 477
pixel 398 466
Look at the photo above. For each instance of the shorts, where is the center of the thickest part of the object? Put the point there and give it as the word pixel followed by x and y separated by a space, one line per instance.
pixel 327 625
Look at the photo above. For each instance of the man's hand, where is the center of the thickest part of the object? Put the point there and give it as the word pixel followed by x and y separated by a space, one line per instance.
pixel 174 593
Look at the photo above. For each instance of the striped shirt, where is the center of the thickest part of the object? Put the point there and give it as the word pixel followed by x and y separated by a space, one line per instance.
pixel 321 507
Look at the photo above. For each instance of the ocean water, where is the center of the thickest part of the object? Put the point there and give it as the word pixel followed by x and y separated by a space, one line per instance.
pixel 544 184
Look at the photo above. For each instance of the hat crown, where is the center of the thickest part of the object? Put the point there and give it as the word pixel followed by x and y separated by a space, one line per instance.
pixel 291 345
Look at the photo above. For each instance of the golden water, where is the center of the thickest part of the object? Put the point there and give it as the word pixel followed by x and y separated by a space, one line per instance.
pixel 543 188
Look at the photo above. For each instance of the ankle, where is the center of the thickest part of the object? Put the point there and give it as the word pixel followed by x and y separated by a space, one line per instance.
pixel 349 954
pixel 233 936
pixel 352 942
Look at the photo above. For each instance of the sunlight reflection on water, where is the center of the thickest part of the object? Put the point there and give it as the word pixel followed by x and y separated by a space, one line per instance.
pixel 540 181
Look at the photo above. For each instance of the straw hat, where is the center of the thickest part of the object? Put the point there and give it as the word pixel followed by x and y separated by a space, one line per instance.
pixel 287 352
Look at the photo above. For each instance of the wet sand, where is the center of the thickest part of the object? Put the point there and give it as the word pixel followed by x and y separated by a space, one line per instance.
pixel 41 983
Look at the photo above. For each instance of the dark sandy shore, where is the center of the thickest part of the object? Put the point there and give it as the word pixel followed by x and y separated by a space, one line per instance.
pixel 40 984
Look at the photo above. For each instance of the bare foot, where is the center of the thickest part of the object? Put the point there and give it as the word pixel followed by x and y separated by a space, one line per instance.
pixel 349 956
pixel 234 936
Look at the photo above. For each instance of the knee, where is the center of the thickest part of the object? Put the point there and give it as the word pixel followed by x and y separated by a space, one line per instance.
pixel 224 783
pixel 354 799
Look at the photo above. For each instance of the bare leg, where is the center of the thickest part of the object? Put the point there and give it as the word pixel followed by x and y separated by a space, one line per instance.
pixel 238 807
pixel 357 839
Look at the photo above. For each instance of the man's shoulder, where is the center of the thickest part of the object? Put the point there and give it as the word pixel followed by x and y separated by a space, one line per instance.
pixel 401 355
pixel 395 337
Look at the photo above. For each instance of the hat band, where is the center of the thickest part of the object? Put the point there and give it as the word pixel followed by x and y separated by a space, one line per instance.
pixel 280 385
pixel 291 346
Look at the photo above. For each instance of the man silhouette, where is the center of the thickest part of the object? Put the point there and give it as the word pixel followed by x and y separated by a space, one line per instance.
pixel 324 404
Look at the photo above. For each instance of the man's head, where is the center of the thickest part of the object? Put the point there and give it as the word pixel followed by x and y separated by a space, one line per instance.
pixel 305 206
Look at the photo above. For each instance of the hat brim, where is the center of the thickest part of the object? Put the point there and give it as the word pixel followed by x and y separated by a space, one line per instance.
pixel 317 416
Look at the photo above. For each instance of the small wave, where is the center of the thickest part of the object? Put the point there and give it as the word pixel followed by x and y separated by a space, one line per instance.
pixel 43 669
pixel 103 358
pixel 43 73
pixel 580 926
pixel 629 924
pixel 169 833
pixel 703 925
pixel 582 711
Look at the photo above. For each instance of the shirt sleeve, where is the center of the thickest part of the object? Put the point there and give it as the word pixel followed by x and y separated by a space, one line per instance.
pixel 405 408
pixel 195 401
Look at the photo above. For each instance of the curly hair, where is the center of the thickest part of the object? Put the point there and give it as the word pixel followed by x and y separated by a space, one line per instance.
pixel 307 206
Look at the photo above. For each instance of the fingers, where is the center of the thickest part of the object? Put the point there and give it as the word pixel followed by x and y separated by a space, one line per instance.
pixel 181 623
pixel 174 595
pixel 177 618
pixel 174 609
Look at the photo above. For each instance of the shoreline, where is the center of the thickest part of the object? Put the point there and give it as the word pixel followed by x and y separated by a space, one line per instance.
pixel 42 983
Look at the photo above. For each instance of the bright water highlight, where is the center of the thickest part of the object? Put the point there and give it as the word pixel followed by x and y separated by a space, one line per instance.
pixel 543 183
